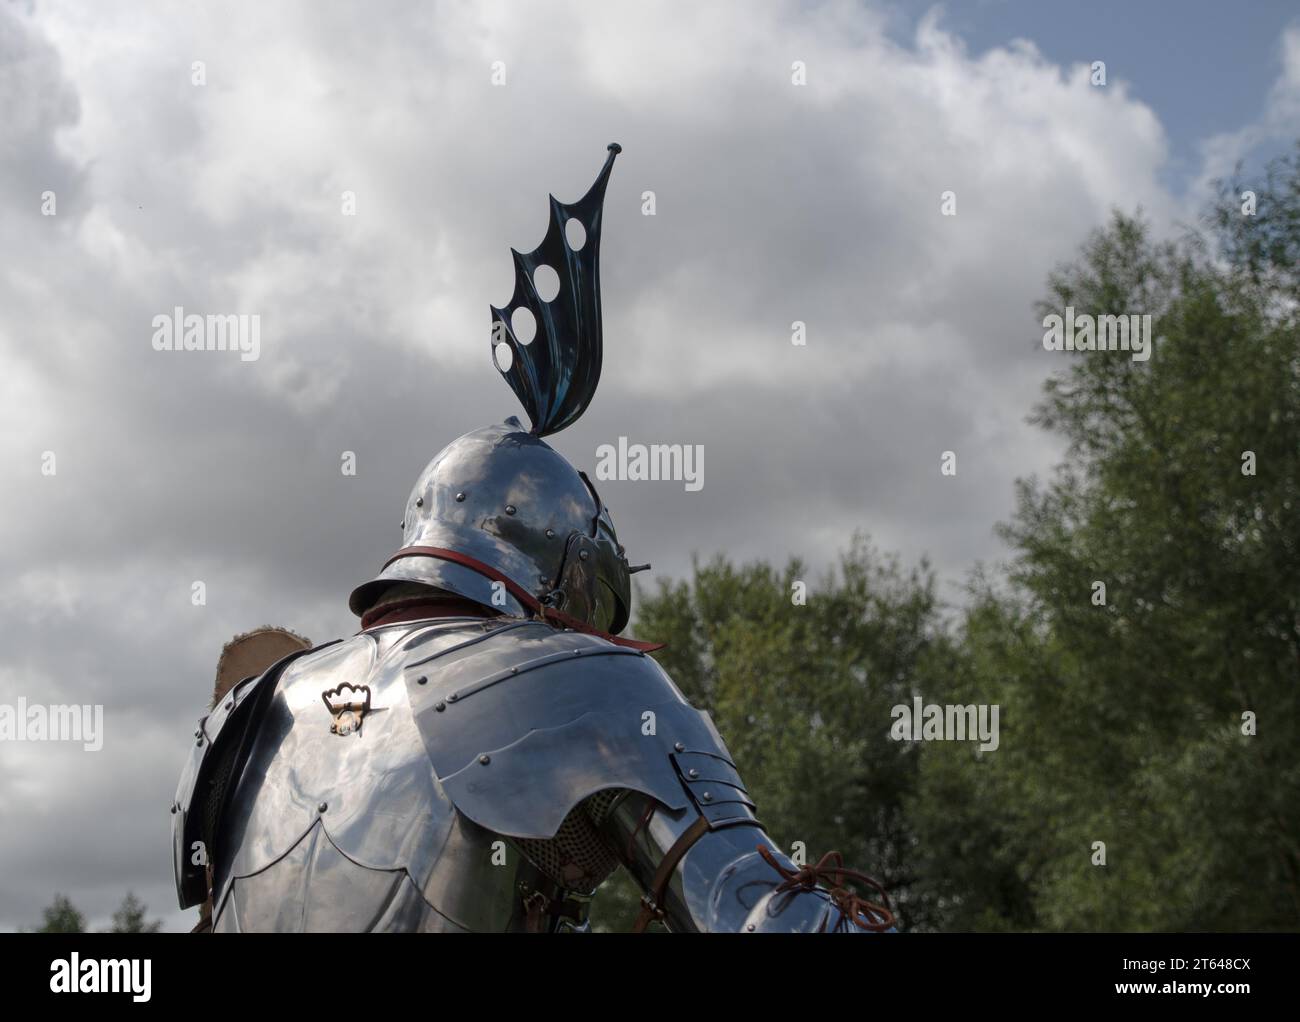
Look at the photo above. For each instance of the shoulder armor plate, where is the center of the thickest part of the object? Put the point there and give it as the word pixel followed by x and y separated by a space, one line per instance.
pixel 524 722
pixel 222 742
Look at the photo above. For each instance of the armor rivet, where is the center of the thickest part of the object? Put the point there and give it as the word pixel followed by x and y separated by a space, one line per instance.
pixel 460 497
pixel 323 806
pixel 577 652
pixel 198 734
pixel 679 746
pixel 173 808
pixel 485 759
pixel 514 670
pixel 692 773
pixel 750 927
pixel 582 555
pixel 706 797
pixel 199 742
pixel 439 706
pixel 510 509
pixel 452 698
pixel 419 502
pixel 550 533
pixel 423 679
pixel 230 705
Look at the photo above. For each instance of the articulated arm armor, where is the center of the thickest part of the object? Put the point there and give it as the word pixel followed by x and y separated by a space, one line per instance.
pixel 722 882
pixel 471 774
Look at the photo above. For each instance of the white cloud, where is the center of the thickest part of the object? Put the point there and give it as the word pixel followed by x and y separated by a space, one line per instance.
pixel 1277 123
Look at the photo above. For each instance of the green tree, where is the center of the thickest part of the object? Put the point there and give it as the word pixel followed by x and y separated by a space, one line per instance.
pixel 1156 727
pixel 130 917
pixel 1130 723
pixel 802 694
pixel 62 917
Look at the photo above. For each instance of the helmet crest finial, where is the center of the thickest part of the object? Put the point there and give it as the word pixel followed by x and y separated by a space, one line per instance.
pixel 499 517
pixel 555 374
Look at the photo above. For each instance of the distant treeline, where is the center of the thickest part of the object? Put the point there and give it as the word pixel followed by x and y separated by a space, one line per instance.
pixel 62 916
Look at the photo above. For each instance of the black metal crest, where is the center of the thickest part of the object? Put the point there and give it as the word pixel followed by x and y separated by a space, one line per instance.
pixel 555 374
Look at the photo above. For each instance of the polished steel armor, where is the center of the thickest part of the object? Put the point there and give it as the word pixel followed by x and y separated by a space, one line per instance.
pixel 487 771
pixel 506 498
pixel 502 769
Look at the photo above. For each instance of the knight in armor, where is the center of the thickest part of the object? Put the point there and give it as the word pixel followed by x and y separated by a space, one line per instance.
pixel 486 750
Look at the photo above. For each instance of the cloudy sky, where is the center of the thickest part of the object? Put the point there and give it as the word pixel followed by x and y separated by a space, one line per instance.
pixel 774 203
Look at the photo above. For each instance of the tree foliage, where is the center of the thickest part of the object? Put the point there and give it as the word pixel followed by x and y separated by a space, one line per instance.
pixel 130 917
pixel 1158 728
pixel 61 916
pixel 1129 723
pixel 803 696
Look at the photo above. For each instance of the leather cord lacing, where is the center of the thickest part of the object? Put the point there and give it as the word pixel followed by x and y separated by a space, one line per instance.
pixel 830 869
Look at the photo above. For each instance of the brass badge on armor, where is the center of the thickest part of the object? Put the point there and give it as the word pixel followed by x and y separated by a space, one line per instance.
pixel 348 705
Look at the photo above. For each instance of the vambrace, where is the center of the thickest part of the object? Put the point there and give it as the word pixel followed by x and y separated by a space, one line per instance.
pixel 712 869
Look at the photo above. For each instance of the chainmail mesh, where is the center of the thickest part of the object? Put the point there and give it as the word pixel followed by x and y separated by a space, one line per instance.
pixel 600 804
pixel 576 858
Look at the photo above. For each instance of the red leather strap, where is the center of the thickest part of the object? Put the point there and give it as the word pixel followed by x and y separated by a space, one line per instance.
pixel 521 594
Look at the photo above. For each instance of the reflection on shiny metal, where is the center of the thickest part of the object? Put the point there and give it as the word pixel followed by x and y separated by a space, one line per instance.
pixel 722 884
pixel 204 775
pixel 404 825
pixel 391 852
pixel 521 497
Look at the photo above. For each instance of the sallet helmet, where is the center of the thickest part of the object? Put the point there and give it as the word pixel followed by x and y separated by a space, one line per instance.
pixel 498 516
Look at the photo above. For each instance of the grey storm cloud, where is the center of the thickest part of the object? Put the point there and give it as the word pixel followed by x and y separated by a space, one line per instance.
pixel 774 203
